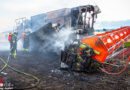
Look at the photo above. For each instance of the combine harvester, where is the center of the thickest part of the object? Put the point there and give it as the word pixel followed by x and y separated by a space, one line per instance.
pixel 86 51
pixel 79 19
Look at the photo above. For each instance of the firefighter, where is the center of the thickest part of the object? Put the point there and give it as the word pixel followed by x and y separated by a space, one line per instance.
pixel 9 39
pixel 13 44
pixel 84 59
pixel 26 41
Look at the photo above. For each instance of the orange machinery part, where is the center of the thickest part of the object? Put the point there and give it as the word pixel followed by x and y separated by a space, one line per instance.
pixel 107 42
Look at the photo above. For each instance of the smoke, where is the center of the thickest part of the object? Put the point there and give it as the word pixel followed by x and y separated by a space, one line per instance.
pixel 58 41
pixel 4 44
pixel 63 38
pixel 20 45
pixel 47 40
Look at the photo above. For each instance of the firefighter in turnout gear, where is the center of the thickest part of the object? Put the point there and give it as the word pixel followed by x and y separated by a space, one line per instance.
pixel 84 60
pixel 26 41
pixel 13 44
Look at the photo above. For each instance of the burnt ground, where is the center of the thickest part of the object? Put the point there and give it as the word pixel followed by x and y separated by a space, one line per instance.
pixel 52 78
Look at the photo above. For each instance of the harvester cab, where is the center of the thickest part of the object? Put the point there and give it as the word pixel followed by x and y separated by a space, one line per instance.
pixel 86 19
pixel 81 19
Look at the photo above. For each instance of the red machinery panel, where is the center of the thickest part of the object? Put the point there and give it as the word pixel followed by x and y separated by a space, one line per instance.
pixel 108 42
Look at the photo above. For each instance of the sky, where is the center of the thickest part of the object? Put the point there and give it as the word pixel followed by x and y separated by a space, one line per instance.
pixel 111 10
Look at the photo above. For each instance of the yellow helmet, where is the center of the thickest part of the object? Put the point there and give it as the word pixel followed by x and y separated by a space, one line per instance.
pixel 10 33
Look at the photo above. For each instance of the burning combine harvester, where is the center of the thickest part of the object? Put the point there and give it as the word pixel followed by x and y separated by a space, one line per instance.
pixel 43 26
pixel 84 51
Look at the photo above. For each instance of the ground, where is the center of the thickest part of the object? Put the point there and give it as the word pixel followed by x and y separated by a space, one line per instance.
pixel 52 78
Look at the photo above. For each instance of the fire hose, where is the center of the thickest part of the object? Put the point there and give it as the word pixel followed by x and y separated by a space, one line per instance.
pixel 18 71
pixel 105 71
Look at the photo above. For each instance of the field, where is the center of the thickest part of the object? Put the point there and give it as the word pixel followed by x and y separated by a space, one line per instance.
pixel 53 78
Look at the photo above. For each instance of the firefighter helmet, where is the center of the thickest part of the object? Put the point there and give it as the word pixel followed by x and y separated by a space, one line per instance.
pixel 10 33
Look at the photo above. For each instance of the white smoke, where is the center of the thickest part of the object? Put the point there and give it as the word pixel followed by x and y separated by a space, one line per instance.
pixel 54 42
pixel 63 38
pixel 4 44
pixel 19 44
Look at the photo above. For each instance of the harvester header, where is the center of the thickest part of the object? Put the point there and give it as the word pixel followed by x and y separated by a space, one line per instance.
pixel 107 43
pixel 92 52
